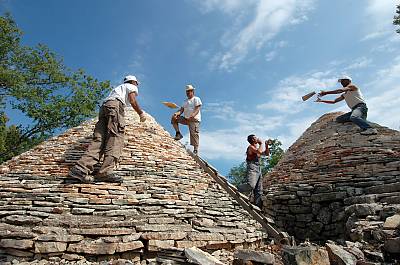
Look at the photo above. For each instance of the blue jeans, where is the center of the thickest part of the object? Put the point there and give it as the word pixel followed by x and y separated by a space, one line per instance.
pixel 357 115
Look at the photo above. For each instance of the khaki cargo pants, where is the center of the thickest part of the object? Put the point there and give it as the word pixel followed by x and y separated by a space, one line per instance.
pixel 194 130
pixel 108 139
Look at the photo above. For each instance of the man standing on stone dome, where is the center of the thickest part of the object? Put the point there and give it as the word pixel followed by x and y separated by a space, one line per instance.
pixel 108 137
pixel 355 100
pixel 191 117
pixel 253 182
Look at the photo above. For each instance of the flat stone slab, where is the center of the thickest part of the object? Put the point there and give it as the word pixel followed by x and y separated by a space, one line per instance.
pixel 257 256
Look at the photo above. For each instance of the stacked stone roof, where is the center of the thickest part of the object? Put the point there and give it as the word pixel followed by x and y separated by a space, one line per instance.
pixel 166 200
pixel 333 176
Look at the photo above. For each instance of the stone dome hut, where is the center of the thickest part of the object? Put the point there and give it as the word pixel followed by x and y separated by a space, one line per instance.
pixel 166 201
pixel 335 183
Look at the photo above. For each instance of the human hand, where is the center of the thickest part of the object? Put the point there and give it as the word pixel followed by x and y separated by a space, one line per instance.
pixel 142 117
pixel 321 93
pixel 318 99
pixel 268 142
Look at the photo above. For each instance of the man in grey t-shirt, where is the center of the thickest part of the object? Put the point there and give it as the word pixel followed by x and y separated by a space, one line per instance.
pixel 355 100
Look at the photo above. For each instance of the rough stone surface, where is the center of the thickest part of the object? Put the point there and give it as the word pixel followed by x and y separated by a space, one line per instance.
pixel 257 256
pixel 166 200
pixel 305 255
pixel 197 256
pixel 335 183
pixel 340 256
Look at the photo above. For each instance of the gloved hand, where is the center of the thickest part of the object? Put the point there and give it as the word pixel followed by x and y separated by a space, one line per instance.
pixel 142 117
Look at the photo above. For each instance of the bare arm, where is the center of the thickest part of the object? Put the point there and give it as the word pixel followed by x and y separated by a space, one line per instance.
pixel 331 101
pixel 134 103
pixel 179 112
pixel 258 150
pixel 338 91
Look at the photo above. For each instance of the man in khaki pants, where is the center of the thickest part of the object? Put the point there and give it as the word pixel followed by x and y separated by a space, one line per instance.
pixel 191 117
pixel 108 137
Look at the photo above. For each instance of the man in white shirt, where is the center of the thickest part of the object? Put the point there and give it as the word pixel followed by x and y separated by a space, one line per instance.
pixel 191 117
pixel 108 137
pixel 355 100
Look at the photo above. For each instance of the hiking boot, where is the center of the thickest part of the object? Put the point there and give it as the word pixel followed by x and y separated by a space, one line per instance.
pixel 369 131
pixel 178 136
pixel 82 177
pixel 112 177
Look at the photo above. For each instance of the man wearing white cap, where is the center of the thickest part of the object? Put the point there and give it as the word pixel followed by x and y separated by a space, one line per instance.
pixel 191 117
pixel 108 137
pixel 355 100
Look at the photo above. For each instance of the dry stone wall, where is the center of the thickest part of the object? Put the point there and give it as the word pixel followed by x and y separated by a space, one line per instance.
pixel 166 201
pixel 335 183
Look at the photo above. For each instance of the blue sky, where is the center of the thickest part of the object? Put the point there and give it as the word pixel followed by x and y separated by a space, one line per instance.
pixel 250 60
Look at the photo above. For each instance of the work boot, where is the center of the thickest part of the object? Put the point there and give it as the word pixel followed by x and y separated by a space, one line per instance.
pixel 77 174
pixel 369 131
pixel 178 136
pixel 112 177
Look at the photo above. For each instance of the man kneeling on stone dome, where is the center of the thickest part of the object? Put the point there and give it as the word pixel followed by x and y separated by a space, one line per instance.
pixel 108 136
pixel 355 100
pixel 253 182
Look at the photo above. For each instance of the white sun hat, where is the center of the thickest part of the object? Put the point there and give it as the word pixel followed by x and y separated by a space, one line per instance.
pixel 130 78
pixel 189 87
pixel 344 77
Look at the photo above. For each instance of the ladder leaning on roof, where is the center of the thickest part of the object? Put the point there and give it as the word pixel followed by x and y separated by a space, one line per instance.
pixel 254 211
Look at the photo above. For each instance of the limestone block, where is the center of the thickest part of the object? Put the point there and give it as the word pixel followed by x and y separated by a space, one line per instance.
pixel 164 235
pixel 16 243
pixel 392 222
pixel 155 245
pixel 197 256
pixel 306 255
pixel 163 228
pixel 127 246
pixel 102 231
pixel 257 256
pixel 205 236
pixel 60 238
pixel 338 255
pixel 93 247
pixel 50 247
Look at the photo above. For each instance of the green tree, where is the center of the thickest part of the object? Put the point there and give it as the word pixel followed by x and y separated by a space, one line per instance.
pixel 396 20
pixel 237 174
pixel 35 81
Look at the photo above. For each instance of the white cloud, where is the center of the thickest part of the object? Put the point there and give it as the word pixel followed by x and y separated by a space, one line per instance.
pixel 362 62
pixel 270 18
pixel 378 19
pixel 270 56
pixel 286 97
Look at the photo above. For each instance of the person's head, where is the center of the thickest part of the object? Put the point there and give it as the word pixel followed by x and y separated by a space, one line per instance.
pixel 251 139
pixel 189 91
pixel 345 80
pixel 131 79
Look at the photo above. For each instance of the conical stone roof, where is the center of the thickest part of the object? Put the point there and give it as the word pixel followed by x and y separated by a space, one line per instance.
pixel 313 190
pixel 166 200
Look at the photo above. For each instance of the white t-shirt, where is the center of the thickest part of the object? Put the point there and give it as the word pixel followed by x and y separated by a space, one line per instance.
pixel 121 93
pixel 353 97
pixel 189 105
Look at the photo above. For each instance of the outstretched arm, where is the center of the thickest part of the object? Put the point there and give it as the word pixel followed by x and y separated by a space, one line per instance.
pixel 337 91
pixel 330 101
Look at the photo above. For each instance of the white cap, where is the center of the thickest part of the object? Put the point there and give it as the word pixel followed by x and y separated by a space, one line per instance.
pixel 189 87
pixel 345 77
pixel 130 78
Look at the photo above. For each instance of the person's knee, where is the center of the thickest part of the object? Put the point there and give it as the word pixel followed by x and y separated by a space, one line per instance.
pixel 174 120
pixel 354 118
